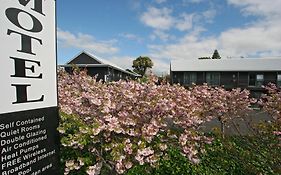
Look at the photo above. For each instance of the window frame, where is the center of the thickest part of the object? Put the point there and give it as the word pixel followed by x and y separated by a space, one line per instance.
pixel 211 83
pixel 278 80
pixel 257 81
pixel 189 78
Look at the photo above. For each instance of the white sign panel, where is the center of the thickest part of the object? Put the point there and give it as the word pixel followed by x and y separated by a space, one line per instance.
pixel 28 55
pixel 29 141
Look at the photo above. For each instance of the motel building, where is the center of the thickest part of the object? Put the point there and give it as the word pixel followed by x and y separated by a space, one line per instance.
pixel 96 66
pixel 245 73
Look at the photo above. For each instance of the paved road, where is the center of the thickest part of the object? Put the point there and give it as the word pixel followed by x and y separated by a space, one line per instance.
pixel 254 117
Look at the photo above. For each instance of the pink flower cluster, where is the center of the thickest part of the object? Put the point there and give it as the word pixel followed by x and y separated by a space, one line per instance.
pixel 134 123
pixel 222 104
pixel 271 102
pixel 71 165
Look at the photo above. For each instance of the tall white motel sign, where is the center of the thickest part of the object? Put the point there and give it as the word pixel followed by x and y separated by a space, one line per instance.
pixel 29 143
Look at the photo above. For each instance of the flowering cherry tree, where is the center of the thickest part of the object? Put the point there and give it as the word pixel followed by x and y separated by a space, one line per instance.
pixel 271 102
pixel 222 104
pixel 126 123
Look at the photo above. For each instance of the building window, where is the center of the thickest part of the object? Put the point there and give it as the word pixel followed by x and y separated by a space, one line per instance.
pixel 260 80
pixel 252 79
pixel 119 75
pixel 256 79
pixel 279 80
pixel 189 78
pixel 213 78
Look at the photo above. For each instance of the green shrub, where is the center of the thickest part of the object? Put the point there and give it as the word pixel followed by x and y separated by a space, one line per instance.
pixel 235 155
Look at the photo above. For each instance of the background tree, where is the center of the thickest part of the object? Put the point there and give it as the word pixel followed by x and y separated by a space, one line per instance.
pixel 141 64
pixel 216 55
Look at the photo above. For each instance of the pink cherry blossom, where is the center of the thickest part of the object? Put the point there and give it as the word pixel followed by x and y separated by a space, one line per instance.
pixel 132 123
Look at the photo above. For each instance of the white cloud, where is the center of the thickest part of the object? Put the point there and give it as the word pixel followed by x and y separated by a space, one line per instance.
pixel 160 66
pixel 253 40
pixel 262 37
pixel 85 42
pixel 124 62
pixel 164 36
pixel 209 15
pixel 104 49
pixel 192 1
pixel 160 1
pixel 267 8
pixel 196 1
pixel 160 19
pixel 132 37
pixel 189 47
pixel 259 38
pixel 186 22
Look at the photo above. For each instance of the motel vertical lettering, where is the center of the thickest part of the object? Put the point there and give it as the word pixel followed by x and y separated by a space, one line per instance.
pixel 27 41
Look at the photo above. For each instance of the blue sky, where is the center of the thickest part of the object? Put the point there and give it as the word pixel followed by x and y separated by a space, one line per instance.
pixel 165 30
